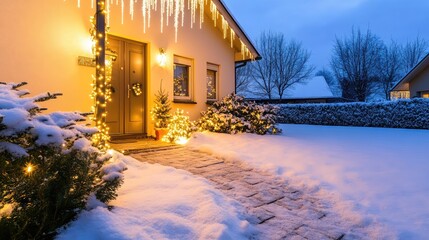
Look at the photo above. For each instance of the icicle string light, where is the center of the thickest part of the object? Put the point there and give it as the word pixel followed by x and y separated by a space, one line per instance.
pixel 176 8
pixel 132 9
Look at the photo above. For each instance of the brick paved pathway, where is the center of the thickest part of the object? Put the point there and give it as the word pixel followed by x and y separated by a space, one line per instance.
pixel 277 210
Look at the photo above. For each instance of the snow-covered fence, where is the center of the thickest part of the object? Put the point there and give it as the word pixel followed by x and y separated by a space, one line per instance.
pixel 409 113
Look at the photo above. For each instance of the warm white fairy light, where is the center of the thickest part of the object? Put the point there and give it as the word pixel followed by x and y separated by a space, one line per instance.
pixel 214 11
pixel 162 14
pixel 224 27
pixel 176 9
pixel 243 49
pixel 232 37
pixel 201 5
pixel 108 13
pixel 78 3
pixel 29 168
pixel 132 9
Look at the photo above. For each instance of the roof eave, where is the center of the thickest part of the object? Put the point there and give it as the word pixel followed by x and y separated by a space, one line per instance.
pixel 239 32
pixel 423 64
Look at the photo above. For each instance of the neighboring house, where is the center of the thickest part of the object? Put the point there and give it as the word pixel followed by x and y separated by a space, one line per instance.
pixel 314 90
pixel 47 44
pixel 415 83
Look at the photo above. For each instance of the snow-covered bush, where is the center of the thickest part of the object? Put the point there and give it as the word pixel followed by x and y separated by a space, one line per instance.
pixel 49 170
pixel 409 113
pixel 233 115
pixel 180 128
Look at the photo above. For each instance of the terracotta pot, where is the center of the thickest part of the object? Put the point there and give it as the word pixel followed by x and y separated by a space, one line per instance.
pixel 160 132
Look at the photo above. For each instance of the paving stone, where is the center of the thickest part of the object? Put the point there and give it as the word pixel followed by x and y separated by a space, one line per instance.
pixel 269 195
pixel 276 209
pixel 261 214
pixel 311 233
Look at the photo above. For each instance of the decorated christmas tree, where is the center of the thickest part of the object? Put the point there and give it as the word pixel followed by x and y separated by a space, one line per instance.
pixel 161 111
pixel 179 129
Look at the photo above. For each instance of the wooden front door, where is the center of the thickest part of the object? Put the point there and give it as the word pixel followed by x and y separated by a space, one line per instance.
pixel 125 113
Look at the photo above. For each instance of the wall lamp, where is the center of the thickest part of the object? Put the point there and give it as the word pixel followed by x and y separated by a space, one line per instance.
pixel 162 58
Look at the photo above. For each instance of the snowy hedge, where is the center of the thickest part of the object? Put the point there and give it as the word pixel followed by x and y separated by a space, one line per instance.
pixel 410 113
pixel 49 170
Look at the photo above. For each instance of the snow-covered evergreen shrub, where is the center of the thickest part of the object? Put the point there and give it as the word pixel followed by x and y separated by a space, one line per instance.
pixel 233 115
pixel 49 170
pixel 407 113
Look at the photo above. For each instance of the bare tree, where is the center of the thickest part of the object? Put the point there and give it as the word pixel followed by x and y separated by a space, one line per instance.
pixel 390 67
pixel 413 52
pixel 264 71
pixel 291 63
pixel 355 64
pixel 243 79
pixel 284 63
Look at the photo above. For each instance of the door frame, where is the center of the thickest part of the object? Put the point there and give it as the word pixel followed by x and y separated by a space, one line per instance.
pixel 145 91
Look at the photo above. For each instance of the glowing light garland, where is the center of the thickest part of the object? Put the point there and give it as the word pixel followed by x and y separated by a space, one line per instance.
pixel 101 87
pixel 176 9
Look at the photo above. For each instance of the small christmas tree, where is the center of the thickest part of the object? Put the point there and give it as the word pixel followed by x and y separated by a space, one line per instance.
pixel 161 111
pixel 179 129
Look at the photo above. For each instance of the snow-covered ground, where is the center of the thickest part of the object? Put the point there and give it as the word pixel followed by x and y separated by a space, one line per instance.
pixel 157 202
pixel 381 173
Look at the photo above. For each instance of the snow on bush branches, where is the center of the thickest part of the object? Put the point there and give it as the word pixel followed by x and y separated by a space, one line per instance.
pixel 233 115
pixel 49 169
pixel 407 113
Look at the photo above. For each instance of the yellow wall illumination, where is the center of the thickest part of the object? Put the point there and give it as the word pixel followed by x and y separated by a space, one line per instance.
pixel 162 58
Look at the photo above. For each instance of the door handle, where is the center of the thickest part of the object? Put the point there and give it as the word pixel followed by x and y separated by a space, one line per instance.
pixel 129 89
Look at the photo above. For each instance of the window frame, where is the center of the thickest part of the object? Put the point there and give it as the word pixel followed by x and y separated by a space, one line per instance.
pixel 215 68
pixel 183 61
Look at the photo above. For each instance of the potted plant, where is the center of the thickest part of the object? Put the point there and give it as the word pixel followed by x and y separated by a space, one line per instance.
pixel 161 113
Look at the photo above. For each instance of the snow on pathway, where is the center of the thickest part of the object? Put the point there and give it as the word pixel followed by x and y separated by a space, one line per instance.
pixel 277 209
pixel 381 173
pixel 157 202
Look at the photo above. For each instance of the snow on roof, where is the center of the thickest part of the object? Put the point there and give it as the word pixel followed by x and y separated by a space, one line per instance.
pixel 317 87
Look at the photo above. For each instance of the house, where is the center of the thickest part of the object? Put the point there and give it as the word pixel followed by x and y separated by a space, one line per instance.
pixel 191 46
pixel 314 90
pixel 415 83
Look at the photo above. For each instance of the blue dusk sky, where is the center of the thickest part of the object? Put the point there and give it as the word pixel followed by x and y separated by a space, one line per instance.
pixel 316 23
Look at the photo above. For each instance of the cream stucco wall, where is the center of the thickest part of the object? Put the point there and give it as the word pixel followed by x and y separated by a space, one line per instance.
pixel 41 41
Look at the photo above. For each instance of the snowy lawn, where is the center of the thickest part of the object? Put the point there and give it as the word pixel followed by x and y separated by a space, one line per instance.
pixel 157 202
pixel 383 174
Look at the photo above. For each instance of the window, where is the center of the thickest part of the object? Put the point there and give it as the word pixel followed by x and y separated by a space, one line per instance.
pixel 424 94
pixel 212 82
pixel 182 78
pixel 394 95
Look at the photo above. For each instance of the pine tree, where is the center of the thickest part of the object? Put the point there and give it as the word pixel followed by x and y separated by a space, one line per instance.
pixel 48 168
pixel 179 129
pixel 161 111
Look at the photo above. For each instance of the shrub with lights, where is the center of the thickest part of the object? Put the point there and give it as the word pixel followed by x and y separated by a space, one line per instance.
pixel 180 128
pixel 234 115
pixel 49 170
